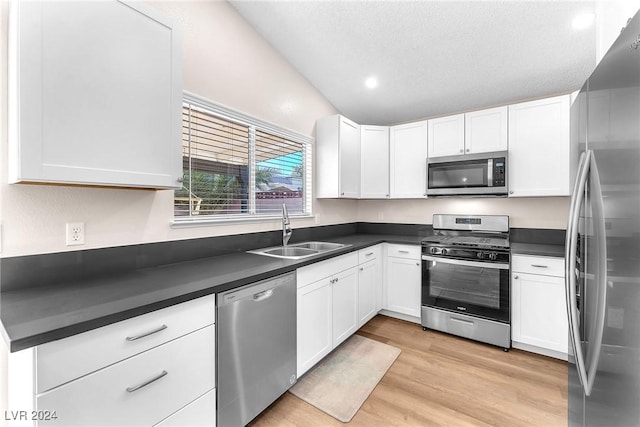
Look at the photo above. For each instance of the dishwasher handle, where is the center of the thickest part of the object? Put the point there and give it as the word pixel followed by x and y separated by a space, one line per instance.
pixel 255 292
pixel 261 296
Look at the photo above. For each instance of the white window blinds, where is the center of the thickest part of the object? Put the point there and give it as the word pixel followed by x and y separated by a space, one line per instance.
pixel 236 166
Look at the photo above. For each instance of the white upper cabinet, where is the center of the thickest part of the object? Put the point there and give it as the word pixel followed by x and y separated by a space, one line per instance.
pixel 408 160
pixel 446 136
pixel 97 99
pixel 486 130
pixel 374 162
pixel 539 163
pixel 480 131
pixel 338 164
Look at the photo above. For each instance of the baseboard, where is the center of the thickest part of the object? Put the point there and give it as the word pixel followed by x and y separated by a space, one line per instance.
pixel 539 350
pixel 400 316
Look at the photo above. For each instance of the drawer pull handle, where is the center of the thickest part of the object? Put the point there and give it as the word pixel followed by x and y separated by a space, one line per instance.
pixel 146 334
pixel 539 266
pixel 369 254
pixel 146 383
pixel 403 252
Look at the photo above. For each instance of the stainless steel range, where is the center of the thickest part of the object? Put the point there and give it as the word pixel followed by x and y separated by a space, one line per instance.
pixel 466 279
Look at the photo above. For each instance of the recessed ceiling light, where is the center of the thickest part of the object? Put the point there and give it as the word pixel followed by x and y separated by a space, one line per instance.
pixel 371 83
pixel 583 21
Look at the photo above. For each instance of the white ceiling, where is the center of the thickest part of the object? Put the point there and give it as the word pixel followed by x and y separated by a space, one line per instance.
pixel 431 58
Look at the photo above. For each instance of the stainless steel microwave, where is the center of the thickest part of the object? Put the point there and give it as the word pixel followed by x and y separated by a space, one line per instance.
pixel 479 175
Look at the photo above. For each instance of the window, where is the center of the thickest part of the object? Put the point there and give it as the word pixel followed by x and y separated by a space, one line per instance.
pixel 236 166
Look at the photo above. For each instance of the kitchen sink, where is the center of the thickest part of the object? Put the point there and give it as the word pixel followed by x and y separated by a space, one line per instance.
pixel 319 246
pixel 299 250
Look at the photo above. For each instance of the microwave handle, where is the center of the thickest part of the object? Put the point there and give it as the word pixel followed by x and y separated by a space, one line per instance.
pixel 490 172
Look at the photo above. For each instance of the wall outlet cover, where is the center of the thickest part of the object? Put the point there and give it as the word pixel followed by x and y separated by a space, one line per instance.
pixel 75 233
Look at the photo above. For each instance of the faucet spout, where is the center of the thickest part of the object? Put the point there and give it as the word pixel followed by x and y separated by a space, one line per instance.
pixel 286 226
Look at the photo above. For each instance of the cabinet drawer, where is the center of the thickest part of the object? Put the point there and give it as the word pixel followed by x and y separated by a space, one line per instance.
pixel 403 251
pixel 61 361
pixel 126 393
pixel 199 413
pixel 546 266
pixel 320 270
pixel 367 254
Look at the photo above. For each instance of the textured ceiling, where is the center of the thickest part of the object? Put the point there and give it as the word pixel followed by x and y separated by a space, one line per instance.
pixel 431 57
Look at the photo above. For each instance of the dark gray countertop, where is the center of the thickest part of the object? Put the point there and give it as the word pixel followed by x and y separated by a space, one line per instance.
pixel 537 249
pixel 38 315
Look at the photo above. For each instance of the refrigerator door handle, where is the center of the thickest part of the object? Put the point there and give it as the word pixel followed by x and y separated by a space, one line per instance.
pixel 597 204
pixel 577 197
pixel 586 168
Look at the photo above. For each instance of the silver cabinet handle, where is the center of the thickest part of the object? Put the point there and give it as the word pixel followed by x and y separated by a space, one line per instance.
pixel 468 150
pixel 539 266
pixel 418 264
pixel 146 334
pixel 368 254
pixel 516 277
pixel 511 192
pixel 403 252
pixel 461 150
pixel 361 268
pixel 146 383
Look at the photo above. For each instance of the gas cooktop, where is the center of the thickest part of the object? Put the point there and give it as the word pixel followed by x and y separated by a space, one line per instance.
pixel 481 231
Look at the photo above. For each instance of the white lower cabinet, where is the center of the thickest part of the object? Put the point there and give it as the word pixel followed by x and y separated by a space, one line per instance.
pixel 327 307
pixel 157 381
pixel 344 307
pixel 403 279
pixel 314 332
pixel 335 298
pixel 369 283
pixel 538 305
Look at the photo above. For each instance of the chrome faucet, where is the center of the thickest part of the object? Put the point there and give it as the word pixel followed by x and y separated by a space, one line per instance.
pixel 286 229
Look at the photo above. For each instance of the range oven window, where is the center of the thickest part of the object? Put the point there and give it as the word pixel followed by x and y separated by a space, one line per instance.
pixel 469 285
pixel 459 174
pixel 476 290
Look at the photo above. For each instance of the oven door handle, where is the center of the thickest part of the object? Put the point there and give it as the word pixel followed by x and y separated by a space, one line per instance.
pixel 492 265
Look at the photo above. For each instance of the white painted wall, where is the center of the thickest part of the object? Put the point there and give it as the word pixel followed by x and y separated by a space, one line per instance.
pixel 540 212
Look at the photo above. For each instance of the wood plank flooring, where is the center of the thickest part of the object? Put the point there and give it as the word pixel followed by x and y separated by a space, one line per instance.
pixel 442 380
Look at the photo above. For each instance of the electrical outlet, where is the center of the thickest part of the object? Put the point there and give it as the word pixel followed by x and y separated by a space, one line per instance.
pixel 75 233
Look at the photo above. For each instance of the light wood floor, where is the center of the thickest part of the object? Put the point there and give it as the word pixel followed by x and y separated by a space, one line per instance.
pixel 442 380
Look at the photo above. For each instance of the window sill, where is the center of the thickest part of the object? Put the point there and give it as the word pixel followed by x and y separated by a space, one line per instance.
pixel 197 222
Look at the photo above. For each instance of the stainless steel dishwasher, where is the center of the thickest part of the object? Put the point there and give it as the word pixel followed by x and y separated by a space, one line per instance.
pixel 256 345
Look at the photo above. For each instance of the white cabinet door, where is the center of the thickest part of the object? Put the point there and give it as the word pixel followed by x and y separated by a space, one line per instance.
pixel 408 160
pixel 446 136
pixel 539 314
pixel 539 163
pixel 369 281
pixel 338 158
pixel 97 99
pixel 345 305
pixel 374 162
pixel 314 314
pixel 486 130
pixel 349 159
pixel 403 286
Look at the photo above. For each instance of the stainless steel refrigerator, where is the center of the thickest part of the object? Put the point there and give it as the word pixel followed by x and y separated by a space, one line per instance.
pixel 603 242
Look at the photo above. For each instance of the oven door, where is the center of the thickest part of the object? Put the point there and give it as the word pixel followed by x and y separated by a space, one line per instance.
pixel 471 287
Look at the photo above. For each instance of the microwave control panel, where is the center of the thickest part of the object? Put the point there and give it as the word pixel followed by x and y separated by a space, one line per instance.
pixel 499 172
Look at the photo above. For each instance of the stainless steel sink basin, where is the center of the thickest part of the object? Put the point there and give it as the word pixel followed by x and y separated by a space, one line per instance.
pixel 319 246
pixel 290 251
pixel 299 250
